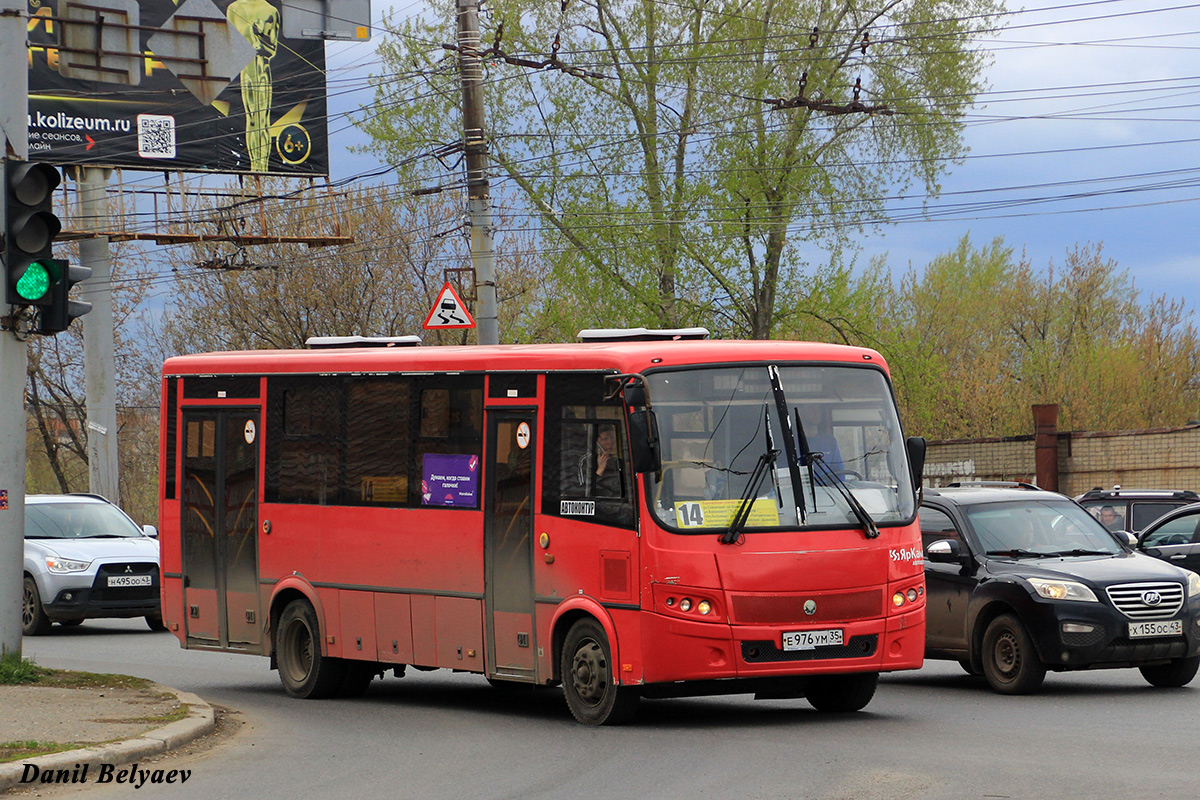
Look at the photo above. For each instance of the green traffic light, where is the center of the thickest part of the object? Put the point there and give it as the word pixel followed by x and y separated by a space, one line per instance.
pixel 35 282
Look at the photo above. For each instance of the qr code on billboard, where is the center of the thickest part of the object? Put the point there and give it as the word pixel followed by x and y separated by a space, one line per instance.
pixel 156 136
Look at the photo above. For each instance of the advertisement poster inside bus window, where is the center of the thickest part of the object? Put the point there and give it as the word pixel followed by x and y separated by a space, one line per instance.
pixel 450 480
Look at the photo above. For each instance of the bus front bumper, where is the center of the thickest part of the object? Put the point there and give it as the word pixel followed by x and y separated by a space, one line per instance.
pixel 688 651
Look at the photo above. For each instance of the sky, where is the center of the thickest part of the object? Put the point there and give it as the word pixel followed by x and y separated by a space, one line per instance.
pixel 1088 134
pixel 1089 131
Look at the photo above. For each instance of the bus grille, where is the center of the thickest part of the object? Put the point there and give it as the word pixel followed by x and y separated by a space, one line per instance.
pixel 1147 600
pixel 766 609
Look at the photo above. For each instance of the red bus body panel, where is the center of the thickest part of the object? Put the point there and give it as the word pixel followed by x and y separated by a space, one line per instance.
pixel 406 585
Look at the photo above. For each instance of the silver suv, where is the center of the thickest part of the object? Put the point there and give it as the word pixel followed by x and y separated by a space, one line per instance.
pixel 86 559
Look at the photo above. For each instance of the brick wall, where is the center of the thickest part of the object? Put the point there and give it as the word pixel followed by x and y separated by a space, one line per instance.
pixel 1163 458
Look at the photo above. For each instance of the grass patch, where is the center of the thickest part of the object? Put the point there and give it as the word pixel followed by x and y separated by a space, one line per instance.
pixel 15 670
pixel 15 751
pixel 63 679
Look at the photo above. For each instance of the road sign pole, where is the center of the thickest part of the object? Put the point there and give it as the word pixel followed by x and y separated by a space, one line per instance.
pixel 14 93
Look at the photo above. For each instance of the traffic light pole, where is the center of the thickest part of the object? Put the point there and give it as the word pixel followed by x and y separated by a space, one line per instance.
pixel 14 137
pixel 98 349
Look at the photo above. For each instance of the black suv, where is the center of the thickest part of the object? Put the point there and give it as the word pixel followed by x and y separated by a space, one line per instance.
pixel 1021 581
pixel 1133 509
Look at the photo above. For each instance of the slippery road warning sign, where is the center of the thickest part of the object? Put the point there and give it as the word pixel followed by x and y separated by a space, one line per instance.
pixel 448 311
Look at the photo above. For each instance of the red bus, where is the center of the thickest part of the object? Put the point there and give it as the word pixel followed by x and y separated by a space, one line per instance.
pixel 618 517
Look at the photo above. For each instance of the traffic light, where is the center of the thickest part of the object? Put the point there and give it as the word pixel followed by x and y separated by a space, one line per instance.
pixel 55 317
pixel 29 230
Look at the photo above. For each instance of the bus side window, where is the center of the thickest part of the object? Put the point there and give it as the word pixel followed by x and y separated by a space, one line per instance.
pixel 364 440
pixel 585 450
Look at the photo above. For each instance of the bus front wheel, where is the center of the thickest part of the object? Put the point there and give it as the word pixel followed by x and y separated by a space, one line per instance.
pixel 589 678
pixel 840 693
pixel 304 671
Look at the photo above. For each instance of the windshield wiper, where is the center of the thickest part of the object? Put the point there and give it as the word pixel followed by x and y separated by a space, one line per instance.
pixel 789 442
pixel 868 524
pixel 806 457
pixel 1078 551
pixel 765 462
pixel 1017 552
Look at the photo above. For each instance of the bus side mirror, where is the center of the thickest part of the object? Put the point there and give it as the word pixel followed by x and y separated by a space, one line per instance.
pixel 916 460
pixel 645 451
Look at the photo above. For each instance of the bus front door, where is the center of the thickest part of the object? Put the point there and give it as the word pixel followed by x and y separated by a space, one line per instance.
pixel 508 546
pixel 220 525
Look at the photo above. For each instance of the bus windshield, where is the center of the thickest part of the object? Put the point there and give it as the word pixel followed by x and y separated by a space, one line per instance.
pixel 713 424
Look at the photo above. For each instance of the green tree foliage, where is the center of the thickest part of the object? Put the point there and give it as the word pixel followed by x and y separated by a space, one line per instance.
pixel 668 185
pixel 57 432
pixel 979 335
pixel 276 296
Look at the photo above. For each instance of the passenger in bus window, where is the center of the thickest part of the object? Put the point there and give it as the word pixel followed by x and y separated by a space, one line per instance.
pixel 608 463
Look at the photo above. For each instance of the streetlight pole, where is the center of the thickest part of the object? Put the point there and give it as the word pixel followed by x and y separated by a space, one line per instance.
pixel 475 143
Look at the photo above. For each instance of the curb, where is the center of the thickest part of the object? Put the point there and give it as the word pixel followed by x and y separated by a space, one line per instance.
pixel 198 722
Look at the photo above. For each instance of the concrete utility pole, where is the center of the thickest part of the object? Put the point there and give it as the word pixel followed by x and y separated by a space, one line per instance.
pixel 99 361
pixel 475 142
pixel 14 136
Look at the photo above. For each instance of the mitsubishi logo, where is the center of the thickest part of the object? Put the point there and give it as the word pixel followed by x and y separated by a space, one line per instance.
pixel 810 607
pixel 1151 598
pixel 128 568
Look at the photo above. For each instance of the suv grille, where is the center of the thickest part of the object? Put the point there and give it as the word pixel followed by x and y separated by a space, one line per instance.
pixel 1137 600
pixel 103 594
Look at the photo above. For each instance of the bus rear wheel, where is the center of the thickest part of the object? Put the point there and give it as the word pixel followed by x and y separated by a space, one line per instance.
pixel 589 680
pixel 304 671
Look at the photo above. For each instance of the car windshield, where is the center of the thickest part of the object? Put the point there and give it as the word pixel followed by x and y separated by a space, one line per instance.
pixel 1039 527
pixel 713 425
pixel 77 521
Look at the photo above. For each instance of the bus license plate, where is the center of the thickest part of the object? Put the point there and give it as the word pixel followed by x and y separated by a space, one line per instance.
pixel 811 640
pixel 129 580
pixel 1146 630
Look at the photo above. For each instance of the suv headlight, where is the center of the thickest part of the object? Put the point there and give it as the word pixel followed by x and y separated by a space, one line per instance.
pixel 61 565
pixel 1062 590
pixel 1193 584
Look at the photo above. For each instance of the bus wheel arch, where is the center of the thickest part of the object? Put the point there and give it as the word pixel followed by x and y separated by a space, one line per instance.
pixel 590 675
pixel 285 592
pixel 567 614
pixel 304 670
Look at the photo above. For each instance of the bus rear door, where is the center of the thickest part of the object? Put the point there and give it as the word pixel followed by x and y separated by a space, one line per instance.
pixel 220 524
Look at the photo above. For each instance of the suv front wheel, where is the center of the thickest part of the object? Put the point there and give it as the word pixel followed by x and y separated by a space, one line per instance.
pixel 1010 662
pixel 34 621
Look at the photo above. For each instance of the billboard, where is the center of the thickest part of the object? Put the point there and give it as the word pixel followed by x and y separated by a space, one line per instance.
pixel 191 85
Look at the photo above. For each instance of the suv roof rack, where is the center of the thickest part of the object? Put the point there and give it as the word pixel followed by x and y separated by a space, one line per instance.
pixel 994 485
pixel 1139 494
pixel 332 342
pixel 640 334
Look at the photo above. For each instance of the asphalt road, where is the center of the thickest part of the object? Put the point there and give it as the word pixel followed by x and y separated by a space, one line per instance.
pixel 934 733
